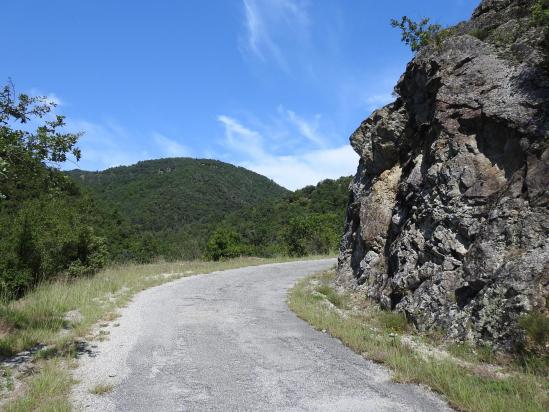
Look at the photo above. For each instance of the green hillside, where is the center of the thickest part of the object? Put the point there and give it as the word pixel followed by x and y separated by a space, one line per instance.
pixel 170 205
pixel 307 221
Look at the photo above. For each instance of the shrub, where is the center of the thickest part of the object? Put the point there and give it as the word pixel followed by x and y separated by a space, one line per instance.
pixel 44 237
pixel 317 233
pixel 416 34
pixel 224 244
pixel 480 34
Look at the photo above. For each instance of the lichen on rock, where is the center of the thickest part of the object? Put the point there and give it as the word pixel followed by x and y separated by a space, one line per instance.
pixel 448 218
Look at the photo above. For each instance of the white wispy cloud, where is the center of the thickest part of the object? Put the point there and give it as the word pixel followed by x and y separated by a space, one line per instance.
pixel 169 147
pixel 308 166
pixel 307 129
pixel 297 171
pixel 242 139
pixel 270 24
pixel 108 144
pixel 366 93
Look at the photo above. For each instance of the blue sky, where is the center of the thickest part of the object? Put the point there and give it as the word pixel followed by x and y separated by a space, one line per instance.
pixel 273 85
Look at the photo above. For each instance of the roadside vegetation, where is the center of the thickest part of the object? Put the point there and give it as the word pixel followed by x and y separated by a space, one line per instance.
pixel 470 378
pixel 101 389
pixel 48 390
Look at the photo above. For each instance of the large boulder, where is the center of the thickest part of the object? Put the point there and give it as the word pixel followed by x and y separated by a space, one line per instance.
pixel 448 218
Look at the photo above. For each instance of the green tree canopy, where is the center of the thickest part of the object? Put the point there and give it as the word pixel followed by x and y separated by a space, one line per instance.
pixel 28 157
pixel 224 243
pixel 47 226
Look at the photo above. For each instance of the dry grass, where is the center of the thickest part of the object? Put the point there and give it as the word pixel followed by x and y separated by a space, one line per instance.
pixel 46 391
pixel 377 335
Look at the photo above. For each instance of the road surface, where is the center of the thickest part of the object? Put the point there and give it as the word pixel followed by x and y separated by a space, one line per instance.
pixel 228 342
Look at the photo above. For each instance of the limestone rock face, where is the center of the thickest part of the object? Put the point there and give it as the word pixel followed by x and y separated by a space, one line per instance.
pixel 448 219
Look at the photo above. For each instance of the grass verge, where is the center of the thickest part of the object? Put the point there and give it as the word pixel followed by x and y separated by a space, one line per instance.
pixel 384 337
pixel 48 390
pixel 40 317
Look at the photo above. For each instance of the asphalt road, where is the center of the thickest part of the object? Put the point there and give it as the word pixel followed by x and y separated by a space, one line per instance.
pixel 228 342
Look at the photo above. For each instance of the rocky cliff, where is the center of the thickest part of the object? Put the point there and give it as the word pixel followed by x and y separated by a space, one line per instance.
pixel 448 216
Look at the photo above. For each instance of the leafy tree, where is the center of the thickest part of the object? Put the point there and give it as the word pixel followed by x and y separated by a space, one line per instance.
pixel 224 243
pixel 28 158
pixel 416 34
pixel 48 226
pixel 313 234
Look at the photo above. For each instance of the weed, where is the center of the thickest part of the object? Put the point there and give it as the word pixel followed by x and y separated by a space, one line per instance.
pixel 470 353
pixel 331 295
pixel 536 326
pixel 7 378
pixel 47 391
pixel 46 353
pixel 392 321
pixel 101 389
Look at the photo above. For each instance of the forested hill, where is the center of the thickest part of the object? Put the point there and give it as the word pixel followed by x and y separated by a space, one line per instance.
pixel 174 203
pixel 163 193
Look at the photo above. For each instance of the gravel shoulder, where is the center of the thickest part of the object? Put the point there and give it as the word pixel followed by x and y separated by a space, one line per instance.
pixel 227 341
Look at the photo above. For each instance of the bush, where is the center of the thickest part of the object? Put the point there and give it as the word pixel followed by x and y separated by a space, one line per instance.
pixel 480 34
pixel 44 237
pixel 224 244
pixel 313 234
